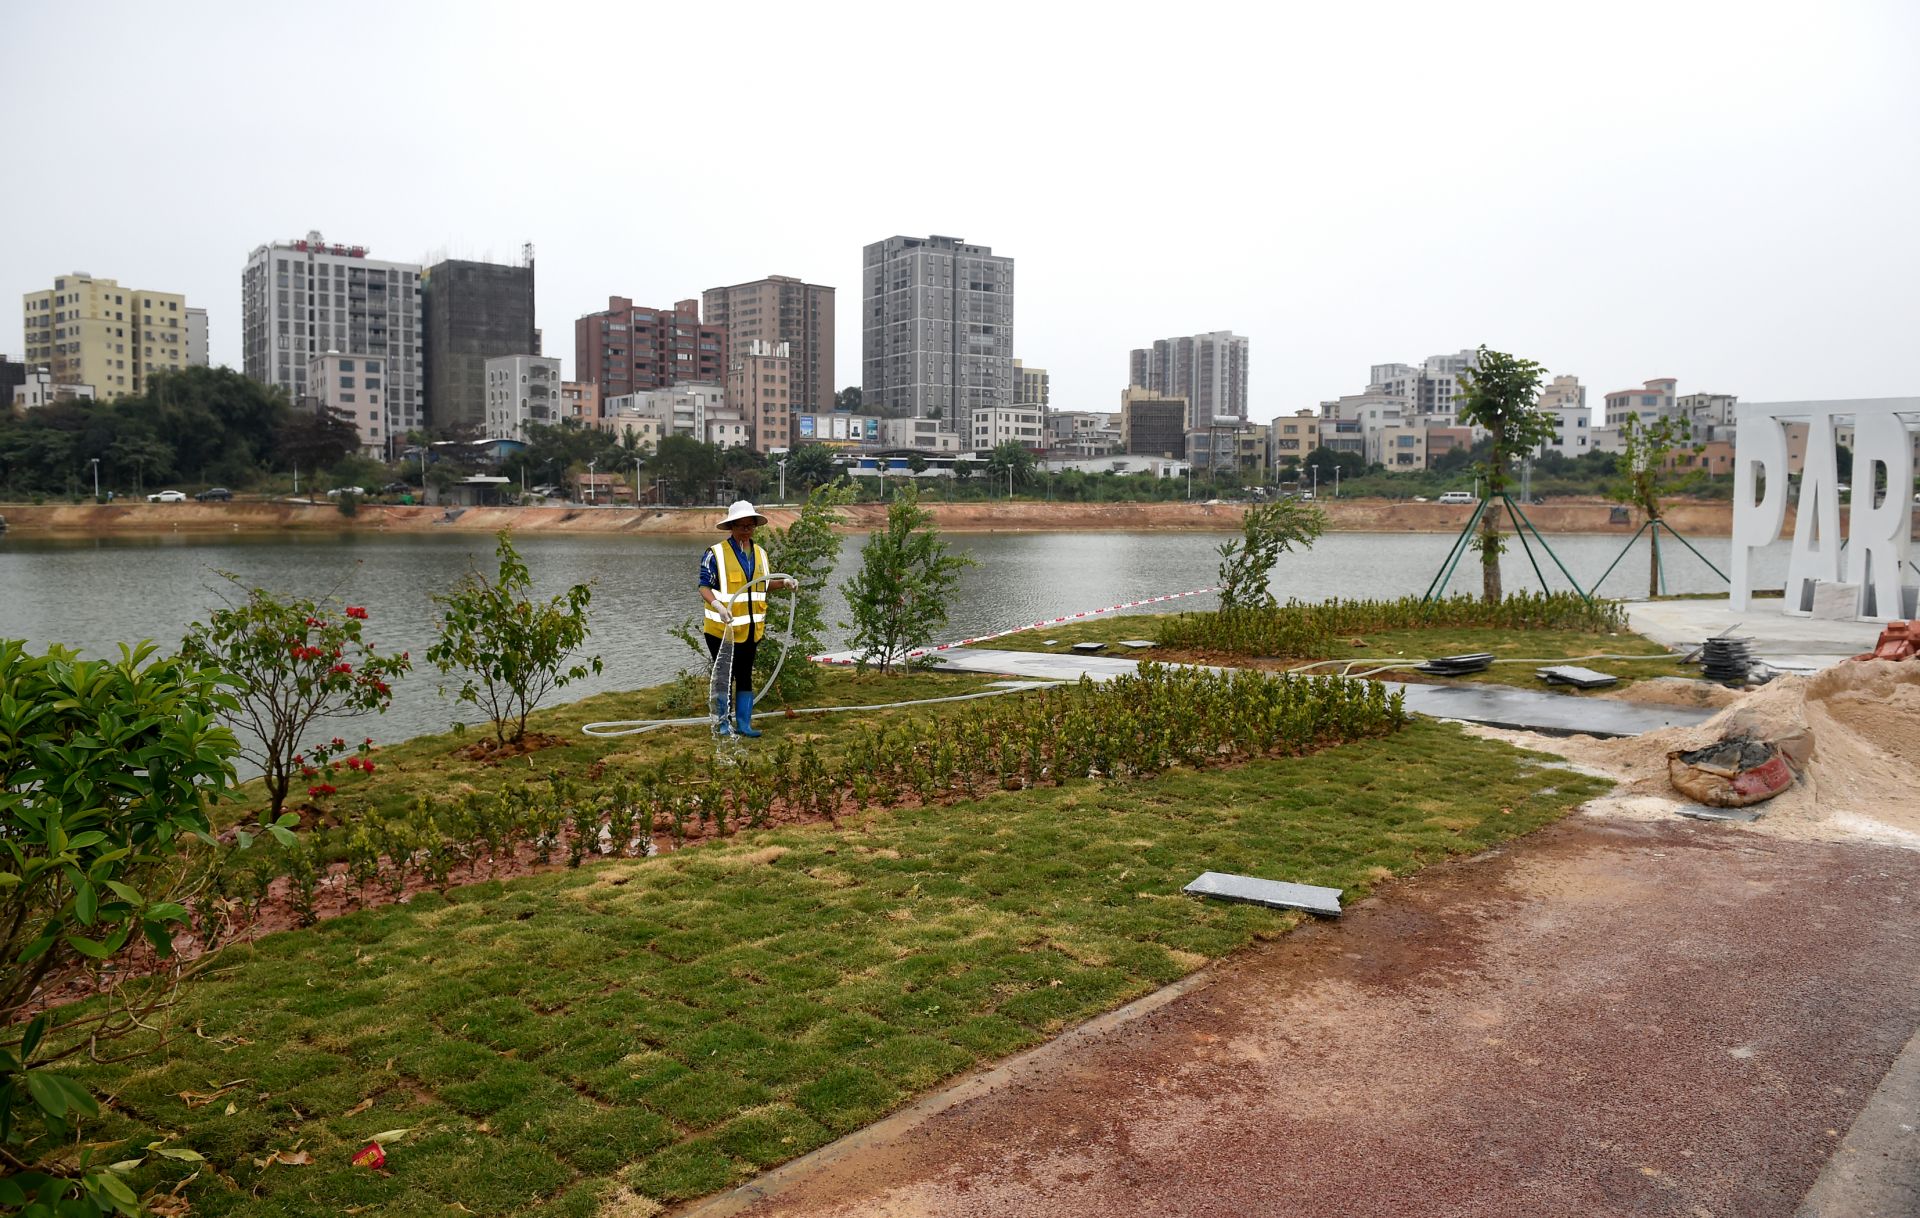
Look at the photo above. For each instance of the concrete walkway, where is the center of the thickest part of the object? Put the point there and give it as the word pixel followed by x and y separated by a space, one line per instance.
pixel 1605 1018
pixel 1787 642
pixel 1494 705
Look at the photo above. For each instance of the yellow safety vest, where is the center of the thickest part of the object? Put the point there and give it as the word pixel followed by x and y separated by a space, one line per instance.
pixel 749 611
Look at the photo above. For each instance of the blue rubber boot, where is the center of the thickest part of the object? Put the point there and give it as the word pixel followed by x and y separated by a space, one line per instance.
pixel 743 715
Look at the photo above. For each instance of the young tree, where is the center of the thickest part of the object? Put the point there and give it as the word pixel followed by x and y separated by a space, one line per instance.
pixel 899 597
pixel 1010 464
pixel 295 663
pixel 808 549
pixel 513 650
pixel 1649 474
pixel 107 771
pixel 1502 395
pixel 1269 530
pixel 811 465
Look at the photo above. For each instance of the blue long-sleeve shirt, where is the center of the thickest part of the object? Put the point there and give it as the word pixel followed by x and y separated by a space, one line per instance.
pixel 710 566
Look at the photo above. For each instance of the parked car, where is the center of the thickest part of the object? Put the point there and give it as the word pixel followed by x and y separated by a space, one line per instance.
pixel 338 491
pixel 215 494
pixel 167 497
pixel 396 488
pixel 1456 497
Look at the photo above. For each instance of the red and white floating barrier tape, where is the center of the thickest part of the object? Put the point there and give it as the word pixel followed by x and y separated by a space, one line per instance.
pixel 1044 622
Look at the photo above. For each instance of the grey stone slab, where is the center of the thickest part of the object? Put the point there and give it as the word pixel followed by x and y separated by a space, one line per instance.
pixel 1138 644
pixel 1835 602
pixel 1538 711
pixel 1745 816
pixel 1274 894
pixel 1089 647
pixel 1573 674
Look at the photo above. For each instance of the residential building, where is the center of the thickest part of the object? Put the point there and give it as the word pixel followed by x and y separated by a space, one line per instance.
pixel 1710 413
pixel 1564 400
pixel 937 329
pixel 37 388
pixel 1253 446
pixel 1218 445
pixel 1344 436
pixel 199 355
pixel 760 385
pixel 1153 424
pixel 521 389
pixel 1400 447
pixel 301 299
pixel 1082 433
pixel 646 429
pixel 1030 386
pixel 88 331
pixel 1653 399
pixel 354 387
pixel 473 312
pixel 1291 438
pixel 994 426
pixel 729 429
pixel 580 403
pixel 780 309
pixel 1443 440
pixel 627 349
pixel 1209 370
pixel 837 430
pixel 594 488
pixel 1430 390
pixel 923 435
pixel 681 409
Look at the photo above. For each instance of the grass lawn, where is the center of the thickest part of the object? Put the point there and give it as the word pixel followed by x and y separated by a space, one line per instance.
pixel 1387 646
pixel 673 1025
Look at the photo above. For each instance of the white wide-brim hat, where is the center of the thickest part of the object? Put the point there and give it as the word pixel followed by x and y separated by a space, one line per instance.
pixel 741 510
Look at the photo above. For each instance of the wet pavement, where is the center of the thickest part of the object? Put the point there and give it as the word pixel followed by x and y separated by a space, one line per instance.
pixel 1604 1018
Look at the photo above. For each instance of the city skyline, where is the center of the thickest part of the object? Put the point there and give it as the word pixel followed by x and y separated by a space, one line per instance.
pixel 1735 221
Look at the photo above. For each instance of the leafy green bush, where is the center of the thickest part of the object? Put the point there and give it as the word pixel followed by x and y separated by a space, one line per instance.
pixel 107 771
pixel 1312 631
pixel 1268 531
pixel 512 650
pixel 899 597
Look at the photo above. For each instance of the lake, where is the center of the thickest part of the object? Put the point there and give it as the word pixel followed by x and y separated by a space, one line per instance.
pixel 94 593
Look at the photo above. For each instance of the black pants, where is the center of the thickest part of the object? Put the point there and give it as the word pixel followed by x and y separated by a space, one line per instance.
pixel 742 661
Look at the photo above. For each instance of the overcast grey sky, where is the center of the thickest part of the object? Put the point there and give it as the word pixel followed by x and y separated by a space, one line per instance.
pixel 1727 193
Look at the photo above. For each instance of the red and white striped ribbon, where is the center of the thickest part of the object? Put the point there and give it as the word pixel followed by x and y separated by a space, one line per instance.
pixel 1051 621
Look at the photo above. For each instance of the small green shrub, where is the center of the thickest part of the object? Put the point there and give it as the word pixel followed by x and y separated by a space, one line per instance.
pixel 1312 631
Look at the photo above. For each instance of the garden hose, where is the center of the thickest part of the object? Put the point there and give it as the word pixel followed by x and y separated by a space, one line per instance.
pixel 1410 662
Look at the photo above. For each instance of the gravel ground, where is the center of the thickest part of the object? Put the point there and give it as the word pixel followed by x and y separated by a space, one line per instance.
pixel 1607 1018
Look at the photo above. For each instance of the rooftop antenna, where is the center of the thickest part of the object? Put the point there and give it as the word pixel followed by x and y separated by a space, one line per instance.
pixel 526 254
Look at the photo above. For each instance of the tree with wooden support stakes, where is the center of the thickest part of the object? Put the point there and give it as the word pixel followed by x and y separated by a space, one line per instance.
pixel 1502 395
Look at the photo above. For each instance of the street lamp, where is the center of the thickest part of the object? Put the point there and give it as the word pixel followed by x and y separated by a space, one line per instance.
pixel 1336 482
pixel 95 462
pixel 782 463
pixel 590 465
pixel 1316 482
pixel 636 481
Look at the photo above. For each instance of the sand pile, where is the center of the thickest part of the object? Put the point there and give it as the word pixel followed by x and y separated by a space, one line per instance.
pixel 1861 776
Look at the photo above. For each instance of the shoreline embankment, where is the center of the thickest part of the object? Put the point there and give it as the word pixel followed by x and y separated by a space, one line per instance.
pixel 1699 519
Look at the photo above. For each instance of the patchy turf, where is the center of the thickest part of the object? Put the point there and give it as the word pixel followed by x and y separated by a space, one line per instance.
pixel 660 1028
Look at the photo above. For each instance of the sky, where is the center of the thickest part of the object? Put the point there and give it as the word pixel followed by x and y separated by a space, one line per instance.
pixel 1726 193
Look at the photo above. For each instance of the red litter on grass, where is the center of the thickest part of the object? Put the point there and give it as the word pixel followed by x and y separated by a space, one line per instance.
pixel 371 1156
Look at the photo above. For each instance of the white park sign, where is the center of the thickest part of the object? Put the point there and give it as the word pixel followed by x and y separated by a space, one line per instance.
pixel 1879 528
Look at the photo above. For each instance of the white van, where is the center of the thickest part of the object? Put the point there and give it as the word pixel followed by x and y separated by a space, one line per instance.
pixel 1457 497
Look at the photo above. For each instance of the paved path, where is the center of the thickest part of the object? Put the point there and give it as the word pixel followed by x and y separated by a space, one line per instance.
pixel 1786 641
pixel 1605 1018
pixel 1495 705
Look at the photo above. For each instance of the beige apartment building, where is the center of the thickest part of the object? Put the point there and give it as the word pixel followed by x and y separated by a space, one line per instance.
pixel 88 331
pixel 781 310
pixel 580 402
pixel 762 388
pixel 353 386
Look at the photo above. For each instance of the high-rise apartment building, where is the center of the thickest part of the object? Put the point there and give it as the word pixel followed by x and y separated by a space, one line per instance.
pixel 471 313
pixel 761 388
pixel 1209 370
pixel 626 349
pixel 1653 399
pixel 1430 390
pixel 1031 387
pixel 302 299
pixel 88 331
pixel 936 329
pixel 521 389
pixel 779 309
pixel 198 354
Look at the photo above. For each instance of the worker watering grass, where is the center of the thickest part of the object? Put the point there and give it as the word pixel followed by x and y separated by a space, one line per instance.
pixel 734 581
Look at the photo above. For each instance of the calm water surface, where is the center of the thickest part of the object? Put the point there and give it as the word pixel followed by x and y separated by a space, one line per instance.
pixel 95 593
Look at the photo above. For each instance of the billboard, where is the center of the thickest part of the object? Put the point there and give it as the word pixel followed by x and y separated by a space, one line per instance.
pixel 873 430
pixel 806 427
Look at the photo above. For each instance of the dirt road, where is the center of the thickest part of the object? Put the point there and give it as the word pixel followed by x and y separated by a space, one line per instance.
pixel 1607 1018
